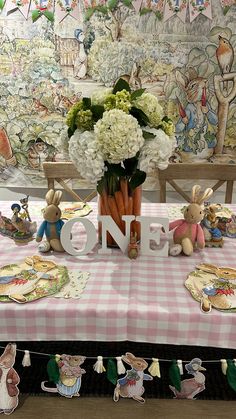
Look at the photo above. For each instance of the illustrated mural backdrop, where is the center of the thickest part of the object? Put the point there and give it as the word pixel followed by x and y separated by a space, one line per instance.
pixel 52 52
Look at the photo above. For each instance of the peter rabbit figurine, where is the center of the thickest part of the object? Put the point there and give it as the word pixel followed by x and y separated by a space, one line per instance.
pixel 52 223
pixel 196 127
pixel 131 386
pixel 188 232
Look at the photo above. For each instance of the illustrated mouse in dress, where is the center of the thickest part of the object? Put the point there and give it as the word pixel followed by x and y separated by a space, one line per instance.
pixel 70 376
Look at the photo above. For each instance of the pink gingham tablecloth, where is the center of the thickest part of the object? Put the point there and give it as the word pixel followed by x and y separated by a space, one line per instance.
pixel 141 300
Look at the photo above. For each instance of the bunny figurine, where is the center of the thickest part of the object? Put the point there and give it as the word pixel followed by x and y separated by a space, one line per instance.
pixel 131 386
pixel 188 231
pixel 52 224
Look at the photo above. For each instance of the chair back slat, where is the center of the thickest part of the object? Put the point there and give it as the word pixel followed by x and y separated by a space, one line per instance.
pixel 62 171
pixel 190 171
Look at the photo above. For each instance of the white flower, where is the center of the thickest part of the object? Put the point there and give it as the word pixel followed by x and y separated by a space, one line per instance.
pixel 119 136
pixel 86 156
pixel 149 104
pixel 157 151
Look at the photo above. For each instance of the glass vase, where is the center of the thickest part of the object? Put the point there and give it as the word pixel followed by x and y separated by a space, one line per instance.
pixel 123 202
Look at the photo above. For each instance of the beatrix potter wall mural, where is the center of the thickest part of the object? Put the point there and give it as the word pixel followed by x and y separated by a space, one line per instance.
pixel 53 52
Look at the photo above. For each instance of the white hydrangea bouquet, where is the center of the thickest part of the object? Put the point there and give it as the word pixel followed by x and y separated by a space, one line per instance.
pixel 115 137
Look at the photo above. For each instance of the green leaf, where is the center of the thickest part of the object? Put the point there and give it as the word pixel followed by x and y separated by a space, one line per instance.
pixel 148 135
pixel 49 15
pixel 101 9
pixel 137 93
pixel 137 179
pixel 86 103
pixel 111 4
pixel 101 185
pixel 53 370
pixel 139 115
pixel 121 84
pixel 166 119
pixel 89 13
pixel 112 374
pixel 131 165
pixel 174 375
pixel 231 374
pixel 97 111
pixel 158 15
pixel 2 4
pixel 71 131
pixel 115 169
pixel 144 11
pixel 35 15
pixel 127 3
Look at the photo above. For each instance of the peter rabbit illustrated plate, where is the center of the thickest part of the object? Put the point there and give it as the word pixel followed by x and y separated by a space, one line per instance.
pixel 213 287
pixel 80 209
pixel 32 279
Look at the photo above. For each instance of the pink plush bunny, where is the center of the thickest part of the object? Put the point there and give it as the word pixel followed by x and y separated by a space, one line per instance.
pixel 189 231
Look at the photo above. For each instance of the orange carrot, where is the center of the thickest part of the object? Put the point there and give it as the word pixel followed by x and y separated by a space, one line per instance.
pixel 137 198
pixel 114 211
pixel 105 202
pixel 120 202
pixel 110 240
pixel 130 206
pixel 124 190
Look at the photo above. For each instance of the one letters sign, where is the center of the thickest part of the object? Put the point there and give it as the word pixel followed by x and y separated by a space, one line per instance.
pixel 123 240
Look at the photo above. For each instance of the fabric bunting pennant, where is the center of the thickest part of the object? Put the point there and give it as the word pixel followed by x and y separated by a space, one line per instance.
pixel 13 5
pixel 64 8
pixel 43 8
pixel 176 7
pixel 198 7
pixel 226 5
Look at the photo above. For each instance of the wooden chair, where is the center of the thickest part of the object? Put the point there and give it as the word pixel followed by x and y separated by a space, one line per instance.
pixel 60 172
pixel 187 171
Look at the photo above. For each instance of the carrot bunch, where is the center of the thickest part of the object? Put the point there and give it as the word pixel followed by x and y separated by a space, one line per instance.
pixel 121 203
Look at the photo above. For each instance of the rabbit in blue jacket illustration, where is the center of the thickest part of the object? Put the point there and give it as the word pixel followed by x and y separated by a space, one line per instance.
pixel 131 386
pixel 52 224
pixel 196 127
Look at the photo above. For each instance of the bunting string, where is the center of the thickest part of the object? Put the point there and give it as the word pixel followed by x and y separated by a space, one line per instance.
pixel 108 357
pixel 163 9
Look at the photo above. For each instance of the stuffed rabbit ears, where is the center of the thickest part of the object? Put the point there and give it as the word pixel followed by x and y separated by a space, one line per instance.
pixel 53 197
pixel 198 198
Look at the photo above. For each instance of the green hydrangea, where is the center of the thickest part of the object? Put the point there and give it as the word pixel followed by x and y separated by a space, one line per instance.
pixel 71 116
pixel 168 127
pixel 84 120
pixel 121 100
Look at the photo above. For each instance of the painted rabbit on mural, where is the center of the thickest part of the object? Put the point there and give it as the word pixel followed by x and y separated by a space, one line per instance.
pixel 195 129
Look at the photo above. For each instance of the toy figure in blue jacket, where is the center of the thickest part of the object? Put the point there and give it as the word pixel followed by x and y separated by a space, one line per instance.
pixel 53 224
